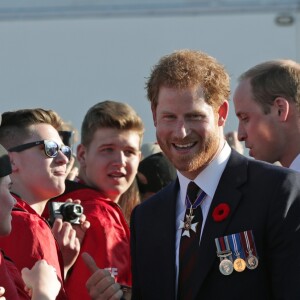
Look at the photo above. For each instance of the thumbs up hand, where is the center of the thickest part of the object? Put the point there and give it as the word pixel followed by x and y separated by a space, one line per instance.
pixel 101 285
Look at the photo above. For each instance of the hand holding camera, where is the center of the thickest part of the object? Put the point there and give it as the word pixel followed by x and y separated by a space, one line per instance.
pixel 68 226
pixel 69 211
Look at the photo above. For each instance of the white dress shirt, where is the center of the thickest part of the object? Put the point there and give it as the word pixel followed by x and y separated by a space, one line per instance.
pixel 295 165
pixel 208 181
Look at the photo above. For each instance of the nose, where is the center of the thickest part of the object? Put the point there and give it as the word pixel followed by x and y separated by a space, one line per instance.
pixel 120 158
pixel 63 159
pixel 241 133
pixel 181 129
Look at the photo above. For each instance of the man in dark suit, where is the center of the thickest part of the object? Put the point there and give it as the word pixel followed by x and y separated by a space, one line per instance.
pixel 234 232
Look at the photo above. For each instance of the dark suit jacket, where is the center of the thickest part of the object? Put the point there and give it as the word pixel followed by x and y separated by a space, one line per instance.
pixel 262 198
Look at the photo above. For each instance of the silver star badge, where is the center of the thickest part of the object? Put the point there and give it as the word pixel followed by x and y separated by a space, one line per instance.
pixel 188 225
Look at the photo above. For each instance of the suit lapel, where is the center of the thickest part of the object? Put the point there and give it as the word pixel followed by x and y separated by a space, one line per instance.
pixel 165 233
pixel 227 192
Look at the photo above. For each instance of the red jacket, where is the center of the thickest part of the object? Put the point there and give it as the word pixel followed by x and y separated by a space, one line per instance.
pixel 11 280
pixel 107 240
pixel 30 240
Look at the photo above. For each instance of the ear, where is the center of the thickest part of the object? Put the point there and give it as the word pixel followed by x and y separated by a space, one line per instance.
pixel 81 153
pixel 223 113
pixel 153 109
pixel 13 161
pixel 281 106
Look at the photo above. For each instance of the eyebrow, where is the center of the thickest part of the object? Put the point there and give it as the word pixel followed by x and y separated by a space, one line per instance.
pixel 239 113
pixel 106 145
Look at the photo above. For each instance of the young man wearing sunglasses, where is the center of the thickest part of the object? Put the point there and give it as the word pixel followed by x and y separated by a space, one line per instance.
pixel 41 280
pixel 39 161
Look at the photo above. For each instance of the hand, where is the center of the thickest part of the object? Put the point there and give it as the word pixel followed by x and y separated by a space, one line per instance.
pixel 69 237
pixel 2 291
pixel 101 285
pixel 68 242
pixel 41 281
pixel 84 224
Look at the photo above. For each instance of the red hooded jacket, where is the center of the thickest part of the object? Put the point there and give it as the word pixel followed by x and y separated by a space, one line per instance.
pixel 107 240
pixel 11 280
pixel 30 240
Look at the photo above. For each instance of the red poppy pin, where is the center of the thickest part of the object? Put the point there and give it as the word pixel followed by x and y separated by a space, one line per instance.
pixel 221 212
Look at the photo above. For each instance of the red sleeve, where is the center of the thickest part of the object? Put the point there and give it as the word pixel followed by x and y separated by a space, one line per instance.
pixel 11 280
pixel 31 240
pixel 107 241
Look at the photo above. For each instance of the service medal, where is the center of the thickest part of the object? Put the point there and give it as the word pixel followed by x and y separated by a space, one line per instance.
pixel 239 264
pixel 187 225
pixel 226 266
pixel 251 262
pixel 249 244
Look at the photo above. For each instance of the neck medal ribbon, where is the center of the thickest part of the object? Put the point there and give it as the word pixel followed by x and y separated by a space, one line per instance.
pixel 187 224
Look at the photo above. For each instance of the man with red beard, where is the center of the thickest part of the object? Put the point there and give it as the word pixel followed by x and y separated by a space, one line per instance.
pixel 228 227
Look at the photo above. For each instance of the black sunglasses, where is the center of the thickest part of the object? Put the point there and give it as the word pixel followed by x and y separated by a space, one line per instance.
pixel 51 148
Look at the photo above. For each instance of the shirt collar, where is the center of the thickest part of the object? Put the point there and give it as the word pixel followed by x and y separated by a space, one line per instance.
pixel 209 178
pixel 295 165
pixel 23 205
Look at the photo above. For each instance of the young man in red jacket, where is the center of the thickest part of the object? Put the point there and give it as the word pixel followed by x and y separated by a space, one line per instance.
pixel 109 154
pixel 41 280
pixel 39 161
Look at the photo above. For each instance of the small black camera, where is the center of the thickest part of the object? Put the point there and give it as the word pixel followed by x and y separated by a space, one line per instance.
pixel 69 211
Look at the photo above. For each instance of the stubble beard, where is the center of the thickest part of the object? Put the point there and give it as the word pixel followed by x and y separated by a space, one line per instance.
pixel 195 161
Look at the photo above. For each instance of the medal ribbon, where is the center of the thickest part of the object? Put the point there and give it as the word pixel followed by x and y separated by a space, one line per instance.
pixel 250 241
pixel 228 246
pixel 222 244
pixel 198 201
pixel 223 249
pixel 217 245
pixel 247 240
pixel 235 243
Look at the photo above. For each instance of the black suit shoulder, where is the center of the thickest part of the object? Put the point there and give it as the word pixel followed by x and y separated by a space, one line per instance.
pixel 241 169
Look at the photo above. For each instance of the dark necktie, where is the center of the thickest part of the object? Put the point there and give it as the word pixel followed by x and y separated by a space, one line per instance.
pixel 189 245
